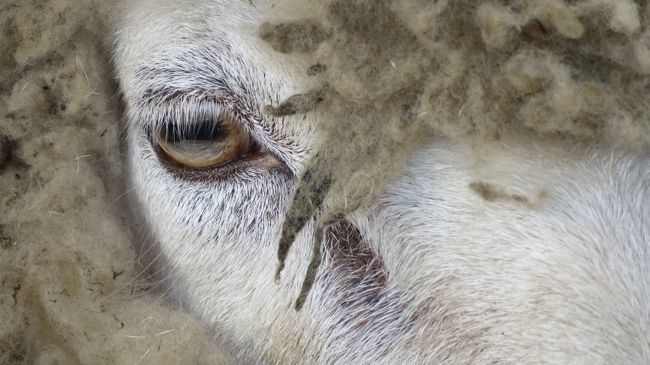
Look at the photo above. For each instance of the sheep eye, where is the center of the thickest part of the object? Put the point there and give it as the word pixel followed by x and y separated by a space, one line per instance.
pixel 210 143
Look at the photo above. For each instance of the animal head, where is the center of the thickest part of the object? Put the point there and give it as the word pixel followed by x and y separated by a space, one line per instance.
pixel 521 250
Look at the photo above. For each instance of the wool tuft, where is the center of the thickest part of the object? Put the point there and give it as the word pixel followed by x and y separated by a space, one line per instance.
pixel 71 289
pixel 398 72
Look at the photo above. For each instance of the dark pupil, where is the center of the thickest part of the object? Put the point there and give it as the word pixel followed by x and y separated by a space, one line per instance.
pixel 208 130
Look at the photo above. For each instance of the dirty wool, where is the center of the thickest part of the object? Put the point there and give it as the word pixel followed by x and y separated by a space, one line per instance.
pixel 71 289
pixel 393 72
pixel 388 73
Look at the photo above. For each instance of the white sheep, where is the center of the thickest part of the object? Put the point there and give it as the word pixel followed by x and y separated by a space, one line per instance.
pixel 520 250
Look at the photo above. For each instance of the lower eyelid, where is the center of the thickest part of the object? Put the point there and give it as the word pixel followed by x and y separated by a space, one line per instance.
pixel 258 163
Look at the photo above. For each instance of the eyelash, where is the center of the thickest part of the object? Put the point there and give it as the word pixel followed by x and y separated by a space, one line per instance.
pixel 195 131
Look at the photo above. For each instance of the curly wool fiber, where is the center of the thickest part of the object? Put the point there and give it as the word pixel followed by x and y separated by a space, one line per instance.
pixel 393 73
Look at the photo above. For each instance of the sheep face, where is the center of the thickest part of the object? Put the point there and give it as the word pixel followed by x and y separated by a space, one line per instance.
pixel 518 249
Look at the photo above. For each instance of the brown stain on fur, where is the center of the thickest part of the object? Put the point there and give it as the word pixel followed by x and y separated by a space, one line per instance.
pixel 493 193
pixel 302 36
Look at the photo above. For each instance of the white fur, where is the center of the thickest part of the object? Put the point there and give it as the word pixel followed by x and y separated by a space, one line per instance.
pixel 564 278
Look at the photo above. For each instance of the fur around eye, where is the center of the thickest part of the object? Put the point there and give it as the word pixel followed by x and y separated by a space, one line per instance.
pixel 207 144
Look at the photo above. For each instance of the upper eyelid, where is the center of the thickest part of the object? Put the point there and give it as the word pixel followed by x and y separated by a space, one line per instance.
pixel 182 112
pixel 177 84
pixel 155 107
pixel 188 73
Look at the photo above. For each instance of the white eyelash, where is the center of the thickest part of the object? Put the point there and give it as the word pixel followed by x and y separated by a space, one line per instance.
pixel 183 114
